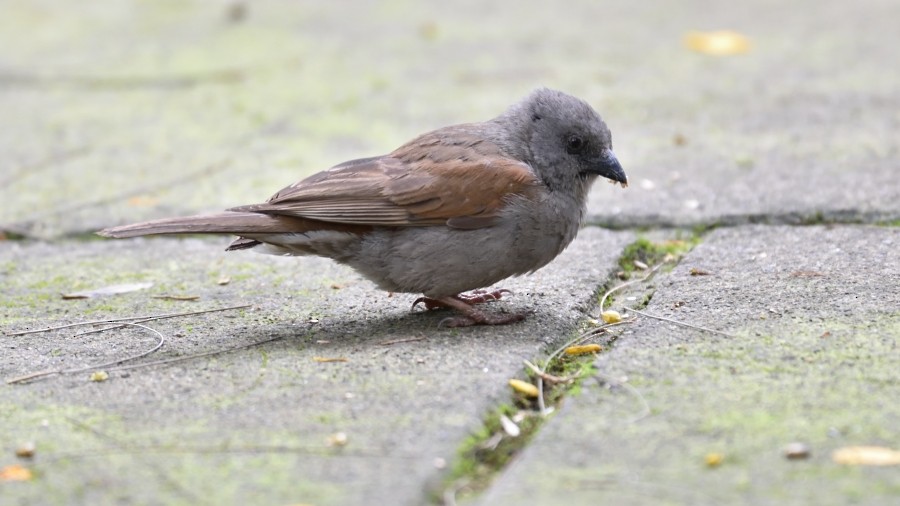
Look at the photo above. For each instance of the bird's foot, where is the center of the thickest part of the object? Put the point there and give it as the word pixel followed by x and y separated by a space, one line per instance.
pixel 470 314
pixel 477 297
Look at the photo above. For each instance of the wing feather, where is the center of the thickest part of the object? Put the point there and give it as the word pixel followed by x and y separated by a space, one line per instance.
pixel 445 177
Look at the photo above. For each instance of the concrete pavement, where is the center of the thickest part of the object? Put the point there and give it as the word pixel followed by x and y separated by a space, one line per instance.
pixel 122 111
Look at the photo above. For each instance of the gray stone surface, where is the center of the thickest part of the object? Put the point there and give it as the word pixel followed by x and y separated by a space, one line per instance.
pixel 117 111
pixel 815 314
pixel 127 111
pixel 250 426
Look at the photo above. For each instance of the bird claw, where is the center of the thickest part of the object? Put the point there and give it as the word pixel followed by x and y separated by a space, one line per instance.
pixel 477 297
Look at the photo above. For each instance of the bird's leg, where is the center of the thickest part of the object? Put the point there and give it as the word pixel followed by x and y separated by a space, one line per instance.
pixel 477 297
pixel 472 316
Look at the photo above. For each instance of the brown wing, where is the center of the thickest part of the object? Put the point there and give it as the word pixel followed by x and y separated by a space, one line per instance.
pixel 445 177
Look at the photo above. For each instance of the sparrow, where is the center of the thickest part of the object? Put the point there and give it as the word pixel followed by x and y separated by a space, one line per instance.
pixel 453 210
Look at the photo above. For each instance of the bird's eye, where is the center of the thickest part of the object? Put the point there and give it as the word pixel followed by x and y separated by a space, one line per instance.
pixel 574 144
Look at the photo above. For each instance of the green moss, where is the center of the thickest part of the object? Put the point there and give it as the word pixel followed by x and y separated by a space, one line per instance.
pixel 484 453
pixel 651 253
pixel 489 449
pixel 816 218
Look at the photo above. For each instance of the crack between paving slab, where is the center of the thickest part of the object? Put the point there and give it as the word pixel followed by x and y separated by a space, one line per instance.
pixel 804 218
pixel 20 231
pixel 474 472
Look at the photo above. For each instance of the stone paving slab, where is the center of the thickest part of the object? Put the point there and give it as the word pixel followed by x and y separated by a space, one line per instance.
pixel 816 317
pixel 133 110
pixel 250 427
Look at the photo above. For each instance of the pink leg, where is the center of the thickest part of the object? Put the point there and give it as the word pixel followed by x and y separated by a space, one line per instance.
pixel 465 304
pixel 477 297
pixel 472 316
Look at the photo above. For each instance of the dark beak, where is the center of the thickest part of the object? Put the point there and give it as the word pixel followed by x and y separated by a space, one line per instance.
pixel 607 165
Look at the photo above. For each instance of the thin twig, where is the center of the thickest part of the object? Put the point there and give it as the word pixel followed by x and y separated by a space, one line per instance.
pixel 676 322
pixel 549 378
pixel 577 340
pixel 191 357
pixel 586 335
pixel 449 495
pixel 27 377
pixel 402 340
pixel 141 319
pixel 628 283
pixel 645 412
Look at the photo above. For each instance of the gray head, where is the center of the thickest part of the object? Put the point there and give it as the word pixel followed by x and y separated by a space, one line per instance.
pixel 562 138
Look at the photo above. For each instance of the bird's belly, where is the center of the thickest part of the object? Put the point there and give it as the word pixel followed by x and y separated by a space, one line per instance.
pixel 439 261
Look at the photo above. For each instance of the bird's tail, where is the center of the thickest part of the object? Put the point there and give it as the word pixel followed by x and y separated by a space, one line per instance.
pixel 235 223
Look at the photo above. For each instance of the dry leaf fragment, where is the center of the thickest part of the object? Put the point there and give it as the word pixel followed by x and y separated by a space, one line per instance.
pixel 401 340
pixel 718 43
pixel 224 280
pixel 107 290
pixel 26 450
pixel 523 387
pixel 611 316
pixel 337 439
pixel 15 472
pixel 509 426
pixel 98 376
pixel 177 297
pixel 698 272
pixel 142 201
pixel 325 360
pixel 866 456
pixel 584 349
pixel 797 451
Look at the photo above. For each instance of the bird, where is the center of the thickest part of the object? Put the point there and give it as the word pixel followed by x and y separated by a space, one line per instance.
pixel 454 210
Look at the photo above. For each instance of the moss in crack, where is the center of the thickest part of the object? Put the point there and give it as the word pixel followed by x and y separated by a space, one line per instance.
pixel 645 253
pixel 816 218
pixel 487 451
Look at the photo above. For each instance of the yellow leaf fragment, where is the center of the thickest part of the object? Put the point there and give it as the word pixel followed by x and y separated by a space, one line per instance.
pixel 142 201
pixel 713 459
pixel 523 387
pixel 324 360
pixel 99 376
pixel 866 456
pixel 584 349
pixel 15 472
pixel 718 43
pixel 611 316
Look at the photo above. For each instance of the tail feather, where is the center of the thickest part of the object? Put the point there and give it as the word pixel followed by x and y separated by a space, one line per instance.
pixel 236 223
